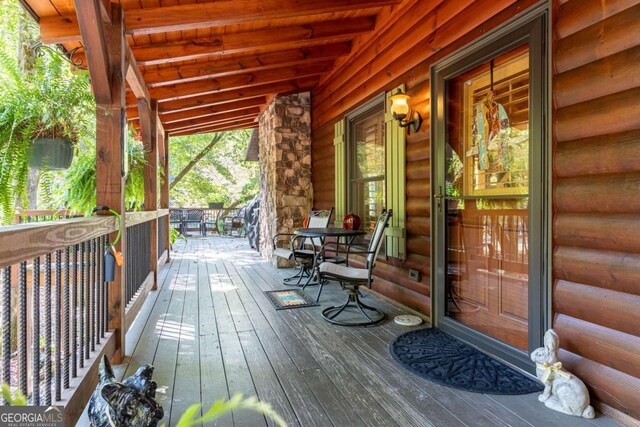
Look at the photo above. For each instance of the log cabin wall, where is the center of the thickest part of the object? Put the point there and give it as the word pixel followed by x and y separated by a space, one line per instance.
pixel 596 197
pixel 400 51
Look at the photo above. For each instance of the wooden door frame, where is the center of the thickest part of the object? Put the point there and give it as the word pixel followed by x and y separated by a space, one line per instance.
pixel 531 26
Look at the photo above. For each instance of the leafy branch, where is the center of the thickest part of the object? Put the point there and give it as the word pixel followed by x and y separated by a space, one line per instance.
pixel 222 407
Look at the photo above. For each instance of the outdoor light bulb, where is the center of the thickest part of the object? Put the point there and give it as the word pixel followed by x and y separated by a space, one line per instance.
pixel 400 105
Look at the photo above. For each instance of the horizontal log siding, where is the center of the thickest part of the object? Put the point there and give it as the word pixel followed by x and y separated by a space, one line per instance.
pixel 596 227
pixel 384 62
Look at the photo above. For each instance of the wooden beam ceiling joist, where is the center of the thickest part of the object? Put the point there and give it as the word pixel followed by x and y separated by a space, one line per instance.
pixel 62 29
pixel 252 111
pixel 249 124
pixel 279 38
pixel 238 81
pixel 91 25
pixel 293 86
pixel 208 123
pixel 244 64
pixel 135 78
pixel 214 110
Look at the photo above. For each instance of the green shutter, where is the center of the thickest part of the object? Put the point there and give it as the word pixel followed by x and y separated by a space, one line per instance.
pixel 340 170
pixel 395 178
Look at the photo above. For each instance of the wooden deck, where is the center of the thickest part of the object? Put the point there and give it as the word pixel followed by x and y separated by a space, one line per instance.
pixel 210 332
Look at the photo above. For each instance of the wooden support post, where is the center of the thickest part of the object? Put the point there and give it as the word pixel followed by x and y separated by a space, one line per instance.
pixel 110 134
pixel 149 130
pixel 164 188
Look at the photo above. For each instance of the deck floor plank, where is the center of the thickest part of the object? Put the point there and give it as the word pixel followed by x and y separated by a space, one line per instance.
pixel 210 332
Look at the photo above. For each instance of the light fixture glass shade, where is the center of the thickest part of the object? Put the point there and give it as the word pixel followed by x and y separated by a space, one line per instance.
pixel 400 105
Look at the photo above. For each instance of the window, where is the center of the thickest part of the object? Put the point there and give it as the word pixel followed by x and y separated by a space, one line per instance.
pixel 366 164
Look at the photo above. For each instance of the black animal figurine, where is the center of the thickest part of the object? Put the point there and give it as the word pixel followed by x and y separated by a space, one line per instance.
pixel 128 404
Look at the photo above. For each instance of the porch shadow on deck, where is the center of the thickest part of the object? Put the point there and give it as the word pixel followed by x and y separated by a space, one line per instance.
pixel 210 331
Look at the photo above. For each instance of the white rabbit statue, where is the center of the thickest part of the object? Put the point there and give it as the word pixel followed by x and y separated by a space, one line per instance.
pixel 563 392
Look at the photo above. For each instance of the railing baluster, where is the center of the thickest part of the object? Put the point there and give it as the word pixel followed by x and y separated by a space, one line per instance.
pixel 82 306
pixel 58 326
pixel 74 314
pixel 65 321
pixel 6 325
pixel 35 333
pixel 22 328
pixel 87 301
pixel 92 303
pixel 47 329
pixel 106 294
pixel 99 289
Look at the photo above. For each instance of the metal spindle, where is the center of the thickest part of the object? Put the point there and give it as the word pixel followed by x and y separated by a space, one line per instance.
pixel 92 302
pixel 74 314
pixel 105 240
pixel 87 301
pixel 100 286
pixel 82 306
pixel 58 327
pixel 35 333
pixel 22 327
pixel 65 321
pixel 47 329
pixel 6 325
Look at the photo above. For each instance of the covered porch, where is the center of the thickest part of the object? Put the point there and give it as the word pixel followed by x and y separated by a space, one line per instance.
pixel 210 332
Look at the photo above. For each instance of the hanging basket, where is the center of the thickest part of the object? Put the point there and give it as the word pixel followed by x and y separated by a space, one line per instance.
pixel 51 153
pixel 215 205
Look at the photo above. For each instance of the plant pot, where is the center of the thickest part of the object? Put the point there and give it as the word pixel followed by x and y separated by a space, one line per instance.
pixel 51 153
pixel 215 205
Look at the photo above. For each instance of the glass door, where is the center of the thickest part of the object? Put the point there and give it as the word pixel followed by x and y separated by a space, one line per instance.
pixel 489 176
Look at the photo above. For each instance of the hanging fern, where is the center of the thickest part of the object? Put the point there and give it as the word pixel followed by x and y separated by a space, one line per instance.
pixel 47 101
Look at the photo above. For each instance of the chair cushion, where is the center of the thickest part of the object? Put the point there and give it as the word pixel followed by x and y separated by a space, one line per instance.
pixel 345 273
pixel 288 254
pixel 283 253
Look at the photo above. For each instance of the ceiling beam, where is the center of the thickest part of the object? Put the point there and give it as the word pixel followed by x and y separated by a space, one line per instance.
pixel 238 81
pixel 244 64
pixel 89 19
pixel 216 122
pixel 300 85
pixel 248 124
pixel 63 29
pixel 279 38
pixel 135 78
pixel 214 110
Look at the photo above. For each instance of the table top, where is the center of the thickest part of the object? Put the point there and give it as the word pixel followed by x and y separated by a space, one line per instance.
pixel 328 232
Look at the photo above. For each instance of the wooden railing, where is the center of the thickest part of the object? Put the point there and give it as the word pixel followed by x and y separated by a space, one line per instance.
pixel 213 218
pixel 54 310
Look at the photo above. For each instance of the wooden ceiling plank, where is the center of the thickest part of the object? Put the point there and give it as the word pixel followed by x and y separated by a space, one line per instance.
pixel 89 15
pixel 224 12
pixel 204 123
pixel 235 95
pixel 280 38
pixel 214 118
pixel 214 110
pixel 243 64
pixel 237 81
pixel 248 124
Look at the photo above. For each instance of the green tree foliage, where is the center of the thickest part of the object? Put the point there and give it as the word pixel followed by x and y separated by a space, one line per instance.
pixel 44 99
pixel 221 175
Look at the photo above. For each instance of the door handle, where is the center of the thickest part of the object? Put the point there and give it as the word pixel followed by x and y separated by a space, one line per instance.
pixel 439 196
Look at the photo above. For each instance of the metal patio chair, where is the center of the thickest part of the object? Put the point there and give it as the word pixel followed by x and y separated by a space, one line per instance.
pixel 351 278
pixel 302 250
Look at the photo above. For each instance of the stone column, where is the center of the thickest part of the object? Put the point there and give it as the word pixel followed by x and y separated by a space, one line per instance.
pixel 285 169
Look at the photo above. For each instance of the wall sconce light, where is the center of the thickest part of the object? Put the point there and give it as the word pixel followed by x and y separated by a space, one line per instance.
pixel 403 113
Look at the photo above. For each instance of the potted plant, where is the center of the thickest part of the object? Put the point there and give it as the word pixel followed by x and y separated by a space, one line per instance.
pixel 44 111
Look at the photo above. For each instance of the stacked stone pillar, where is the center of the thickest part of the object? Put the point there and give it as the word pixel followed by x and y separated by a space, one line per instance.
pixel 285 169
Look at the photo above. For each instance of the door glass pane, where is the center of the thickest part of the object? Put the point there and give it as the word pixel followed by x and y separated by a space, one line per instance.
pixel 486 195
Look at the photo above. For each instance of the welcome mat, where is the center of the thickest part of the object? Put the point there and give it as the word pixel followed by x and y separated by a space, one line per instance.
pixel 439 357
pixel 287 298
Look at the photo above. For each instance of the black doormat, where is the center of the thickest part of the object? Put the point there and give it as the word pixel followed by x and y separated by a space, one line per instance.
pixel 287 298
pixel 443 359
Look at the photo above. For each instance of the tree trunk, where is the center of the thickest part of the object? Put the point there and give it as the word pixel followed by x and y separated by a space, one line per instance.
pixel 33 181
pixel 217 137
